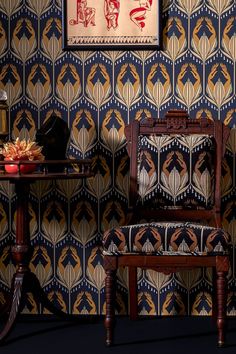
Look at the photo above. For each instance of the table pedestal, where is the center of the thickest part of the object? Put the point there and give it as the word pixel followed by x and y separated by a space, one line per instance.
pixel 24 280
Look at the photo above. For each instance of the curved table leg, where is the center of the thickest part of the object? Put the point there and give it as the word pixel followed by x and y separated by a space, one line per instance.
pixel 41 297
pixel 5 308
pixel 22 283
pixel 15 304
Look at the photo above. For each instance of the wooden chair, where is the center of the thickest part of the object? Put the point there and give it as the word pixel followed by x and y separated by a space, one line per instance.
pixel 175 173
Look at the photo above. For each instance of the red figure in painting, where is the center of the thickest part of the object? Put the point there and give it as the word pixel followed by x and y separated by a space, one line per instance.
pixel 111 11
pixel 85 14
pixel 138 15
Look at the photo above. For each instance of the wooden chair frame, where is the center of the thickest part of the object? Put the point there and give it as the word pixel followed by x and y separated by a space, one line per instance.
pixel 175 122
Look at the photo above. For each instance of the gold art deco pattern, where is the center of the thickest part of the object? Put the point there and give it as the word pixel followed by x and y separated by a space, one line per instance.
pixel 97 93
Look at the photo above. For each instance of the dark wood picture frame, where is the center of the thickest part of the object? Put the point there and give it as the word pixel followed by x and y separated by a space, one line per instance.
pixel 111 24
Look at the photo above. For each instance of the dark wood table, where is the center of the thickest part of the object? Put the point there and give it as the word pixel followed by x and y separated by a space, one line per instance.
pixel 23 279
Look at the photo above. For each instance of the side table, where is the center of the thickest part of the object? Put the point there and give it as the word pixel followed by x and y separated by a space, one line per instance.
pixel 23 279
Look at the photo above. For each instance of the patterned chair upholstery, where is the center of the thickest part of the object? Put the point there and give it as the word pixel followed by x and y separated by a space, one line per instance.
pixel 174 220
pixel 176 171
pixel 160 238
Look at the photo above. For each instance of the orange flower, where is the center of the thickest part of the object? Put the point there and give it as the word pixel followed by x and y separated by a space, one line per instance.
pixel 22 150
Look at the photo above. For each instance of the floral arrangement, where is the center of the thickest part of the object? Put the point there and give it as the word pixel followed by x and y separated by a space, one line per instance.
pixel 22 150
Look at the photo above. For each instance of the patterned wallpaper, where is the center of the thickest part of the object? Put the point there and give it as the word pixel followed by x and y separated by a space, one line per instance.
pixel 97 93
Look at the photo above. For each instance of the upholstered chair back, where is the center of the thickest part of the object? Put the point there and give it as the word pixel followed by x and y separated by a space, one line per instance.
pixel 175 167
pixel 176 171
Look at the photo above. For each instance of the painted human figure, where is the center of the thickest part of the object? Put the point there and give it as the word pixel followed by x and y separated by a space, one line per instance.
pixel 138 15
pixel 85 14
pixel 111 11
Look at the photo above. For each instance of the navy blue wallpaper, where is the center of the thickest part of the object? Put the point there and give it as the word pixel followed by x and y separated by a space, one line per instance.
pixel 97 93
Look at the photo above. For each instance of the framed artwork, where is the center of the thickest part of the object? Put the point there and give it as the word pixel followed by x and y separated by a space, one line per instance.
pixel 111 24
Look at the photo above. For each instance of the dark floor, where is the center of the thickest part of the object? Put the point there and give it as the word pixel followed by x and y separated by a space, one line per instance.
pixel 36 335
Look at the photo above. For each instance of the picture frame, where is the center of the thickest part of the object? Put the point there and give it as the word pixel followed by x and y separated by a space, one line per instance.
pixel 111 24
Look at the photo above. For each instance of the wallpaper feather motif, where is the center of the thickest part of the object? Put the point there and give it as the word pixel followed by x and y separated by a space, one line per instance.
pixel 97 93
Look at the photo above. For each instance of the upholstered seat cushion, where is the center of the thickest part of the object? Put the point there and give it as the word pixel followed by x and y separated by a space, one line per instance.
pixel 166 239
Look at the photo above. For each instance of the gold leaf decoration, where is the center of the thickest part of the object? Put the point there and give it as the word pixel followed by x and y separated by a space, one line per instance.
pixel 68 87
pixel 24 46
pixel 38 7
pixel 84 224
pixel 9 7
pixel 95 271
pixel 54 225
pixel 51 43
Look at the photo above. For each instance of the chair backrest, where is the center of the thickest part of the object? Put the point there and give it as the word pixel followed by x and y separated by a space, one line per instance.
pixel 175 167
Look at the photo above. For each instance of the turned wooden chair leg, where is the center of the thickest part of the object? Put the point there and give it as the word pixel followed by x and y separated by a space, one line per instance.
pixel 221 283
pixel 133 301
pixel 214 295
pixel 110 287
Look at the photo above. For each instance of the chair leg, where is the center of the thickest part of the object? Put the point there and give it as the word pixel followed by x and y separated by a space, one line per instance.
pixel 214 295
pixel 133 301
pixel 110 305
pixel 221 284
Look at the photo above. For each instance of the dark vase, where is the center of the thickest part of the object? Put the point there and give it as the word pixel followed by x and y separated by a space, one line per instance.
pixel 54 136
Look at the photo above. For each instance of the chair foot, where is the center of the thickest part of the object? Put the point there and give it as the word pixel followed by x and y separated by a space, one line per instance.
pixel 110 305
pixel 108 343
pixel 221 344
pixel 109 333
pixel 221 307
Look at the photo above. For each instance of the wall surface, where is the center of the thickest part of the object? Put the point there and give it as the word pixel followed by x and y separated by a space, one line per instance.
pixel 97 93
